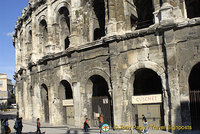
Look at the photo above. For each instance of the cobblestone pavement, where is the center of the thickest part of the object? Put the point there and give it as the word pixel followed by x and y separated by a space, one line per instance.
pixel 30 128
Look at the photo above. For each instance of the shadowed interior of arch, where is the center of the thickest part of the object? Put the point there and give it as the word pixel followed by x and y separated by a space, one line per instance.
pixel 194 85
pixel 100 86
pixel 147 82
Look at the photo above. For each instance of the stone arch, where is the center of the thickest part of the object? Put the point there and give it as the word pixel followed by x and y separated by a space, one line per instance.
pixel 45 101
pixel 89 85
pixel 62 21
pixel 184 74
pixel 58 7
pixel 29 34
pixel 99 7
pixel 42 17
pixel 147 64
pixel 96 71
pixel 128 88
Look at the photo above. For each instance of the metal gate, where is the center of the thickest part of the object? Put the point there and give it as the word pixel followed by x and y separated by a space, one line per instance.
pixel 70 115
pixel 195 108
pixel 152 112
pixel 46 110
pixel 102 105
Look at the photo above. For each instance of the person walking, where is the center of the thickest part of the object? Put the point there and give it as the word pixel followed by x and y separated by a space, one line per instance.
pixel 38 126
pixel 20 126
pixel 144 120
pixel 86 125
pixel 100 121
pixel 16 126
pixel 5 124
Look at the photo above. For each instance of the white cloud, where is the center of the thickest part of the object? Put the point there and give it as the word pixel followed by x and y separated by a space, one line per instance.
pixel 10 33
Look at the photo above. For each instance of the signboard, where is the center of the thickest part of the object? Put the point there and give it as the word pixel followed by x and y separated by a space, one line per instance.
pixel 68 102
pixel 145 99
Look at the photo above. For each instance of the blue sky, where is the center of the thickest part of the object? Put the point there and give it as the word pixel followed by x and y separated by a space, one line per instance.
pixel 9 11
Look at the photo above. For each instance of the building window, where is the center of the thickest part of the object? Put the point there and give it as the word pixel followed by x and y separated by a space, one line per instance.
pixel 1 83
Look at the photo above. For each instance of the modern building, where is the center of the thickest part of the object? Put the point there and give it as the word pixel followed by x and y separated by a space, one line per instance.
pixel 122 58
pixel 6 90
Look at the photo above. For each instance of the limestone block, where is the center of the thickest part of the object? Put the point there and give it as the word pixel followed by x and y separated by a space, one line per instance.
pixel 169 36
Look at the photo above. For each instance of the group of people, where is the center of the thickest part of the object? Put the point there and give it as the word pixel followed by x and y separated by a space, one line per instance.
pixel 86 125
pixel 100 118
pixel 18 126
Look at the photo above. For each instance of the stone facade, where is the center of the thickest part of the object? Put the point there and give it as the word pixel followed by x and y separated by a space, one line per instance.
pixel 73 44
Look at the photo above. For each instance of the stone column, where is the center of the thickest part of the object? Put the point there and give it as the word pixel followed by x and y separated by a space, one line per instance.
pixel 120 15
pixel 34 53
pixel 166 12
pixel 77 110
pixel 75 36
pixel 156 5
pixel 20 99
pixel 25 100
pixel 50 47
pixel 118 102
pixel 172 86
pixel 112 22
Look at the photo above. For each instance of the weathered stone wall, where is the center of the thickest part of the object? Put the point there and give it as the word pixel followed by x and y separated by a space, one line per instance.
pixel 169 47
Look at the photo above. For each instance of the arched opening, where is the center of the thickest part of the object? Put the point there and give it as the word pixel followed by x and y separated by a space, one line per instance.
pixel 43 30
pixel 67 42
pixel 30 36
pixel 45 101
pixel 99 9
pixel 194 85
pixel 148 95
pixel 65 91
pixel 101 100
pixel 64 24
pixel 144 12
pixel 193 9
pixel 147 82
pixel 64 17
pixel 67 108
pixel 29 39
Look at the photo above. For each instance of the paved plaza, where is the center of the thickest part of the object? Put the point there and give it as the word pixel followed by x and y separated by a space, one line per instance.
pixel 30 128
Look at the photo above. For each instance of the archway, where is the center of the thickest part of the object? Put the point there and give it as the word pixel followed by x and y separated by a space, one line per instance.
pixel 194 90
pixel 64 26
pixel 193 9
pixel 99 10
pixel 67 108
pixel 45 101
pixel 144 12
pixel 147 97
pixel 101 100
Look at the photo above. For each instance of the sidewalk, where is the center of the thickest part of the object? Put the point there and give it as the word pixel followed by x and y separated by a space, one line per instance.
pixel 30 128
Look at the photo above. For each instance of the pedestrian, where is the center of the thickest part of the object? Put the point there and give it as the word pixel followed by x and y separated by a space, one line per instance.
pixel 100 121
pixel 20 125
pixel 38 126
pixel 6 126
pixel 144 120
pixel 16 126
pixel 86 125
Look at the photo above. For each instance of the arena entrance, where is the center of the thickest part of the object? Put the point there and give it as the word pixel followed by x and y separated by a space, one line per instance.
pixel 147 99
pixel 45 101
pixel 66 96
pixel 194 85
pixel 101 100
